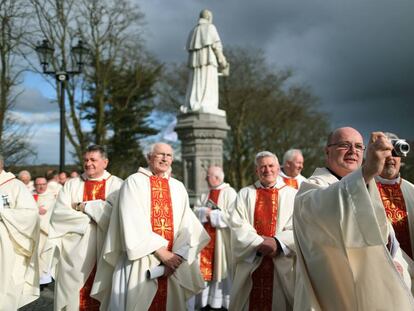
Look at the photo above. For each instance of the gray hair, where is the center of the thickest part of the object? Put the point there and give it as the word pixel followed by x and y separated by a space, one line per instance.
pixel 290 154
pixel 1 162
pixel 264 154
pixel 23 173
pixel 152 148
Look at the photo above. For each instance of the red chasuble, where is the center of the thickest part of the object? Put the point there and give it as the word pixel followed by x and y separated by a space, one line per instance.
pixel 265 219
pixel 394 204
pixel 207 254
pixel 93 190
pixel 162 222
pixel 291 182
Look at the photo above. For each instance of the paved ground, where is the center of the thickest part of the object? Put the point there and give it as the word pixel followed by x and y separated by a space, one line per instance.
pixel 44 303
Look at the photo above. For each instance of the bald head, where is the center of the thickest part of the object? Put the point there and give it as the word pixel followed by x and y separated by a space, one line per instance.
pixel 344 151
pixel 341 132
pixel 215 176
pixel 24 176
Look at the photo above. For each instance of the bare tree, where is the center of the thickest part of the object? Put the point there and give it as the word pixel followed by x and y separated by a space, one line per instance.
pixel 109 28
pixel 14 17
pixel 15 148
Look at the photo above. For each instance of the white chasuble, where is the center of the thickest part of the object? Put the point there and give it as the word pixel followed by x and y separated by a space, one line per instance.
pixel 341 233
pixel 19 237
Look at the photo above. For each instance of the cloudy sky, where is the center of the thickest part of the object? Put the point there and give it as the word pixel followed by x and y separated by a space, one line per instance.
pixel 357 56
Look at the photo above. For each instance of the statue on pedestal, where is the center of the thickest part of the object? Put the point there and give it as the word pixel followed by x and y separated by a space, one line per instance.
pixel 206 62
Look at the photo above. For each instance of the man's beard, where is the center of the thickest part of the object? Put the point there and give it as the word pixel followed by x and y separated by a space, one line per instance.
pixel 389 171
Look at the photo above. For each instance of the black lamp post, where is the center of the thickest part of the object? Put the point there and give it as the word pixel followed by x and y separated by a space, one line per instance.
pixel 45 53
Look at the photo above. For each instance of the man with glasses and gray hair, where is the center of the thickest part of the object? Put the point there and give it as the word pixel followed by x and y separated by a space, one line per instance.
pixel 149 258
pixel 348 256
pixel 262 241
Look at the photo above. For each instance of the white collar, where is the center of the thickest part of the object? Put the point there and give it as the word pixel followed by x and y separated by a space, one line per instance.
pixel 104 176
pixel 279 184
pixel 147 172
pixel 384 181
pixel 220 187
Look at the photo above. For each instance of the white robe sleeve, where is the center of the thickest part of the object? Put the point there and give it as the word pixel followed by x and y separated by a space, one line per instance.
pixel 217 219
pixel 244 238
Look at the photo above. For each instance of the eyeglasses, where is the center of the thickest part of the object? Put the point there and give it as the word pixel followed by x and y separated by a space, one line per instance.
pixel 162 155
pixel 346 145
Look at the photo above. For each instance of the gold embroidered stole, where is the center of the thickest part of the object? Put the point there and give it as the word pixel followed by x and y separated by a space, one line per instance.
pixel 207 254
pixel 92 190
pixel 162 222
pixel 394 204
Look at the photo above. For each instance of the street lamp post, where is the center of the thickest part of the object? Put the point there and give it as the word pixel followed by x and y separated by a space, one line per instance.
pixel 45 53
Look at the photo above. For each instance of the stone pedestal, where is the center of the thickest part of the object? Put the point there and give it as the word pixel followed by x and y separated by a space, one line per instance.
pixel 201 136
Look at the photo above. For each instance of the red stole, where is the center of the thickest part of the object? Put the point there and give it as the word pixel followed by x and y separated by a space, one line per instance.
pixel 207 254
pixel 92 190
pixel 291 182
pixel 394 204
pixel 162 222
pixel 36 197
pixel 265 220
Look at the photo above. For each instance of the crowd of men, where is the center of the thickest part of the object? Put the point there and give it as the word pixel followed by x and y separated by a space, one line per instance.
pixel 340 240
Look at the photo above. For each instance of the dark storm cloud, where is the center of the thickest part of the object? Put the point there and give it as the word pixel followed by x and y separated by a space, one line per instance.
pixel 357 55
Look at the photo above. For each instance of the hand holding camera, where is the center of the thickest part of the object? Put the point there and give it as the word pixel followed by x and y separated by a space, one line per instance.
pixel 401 147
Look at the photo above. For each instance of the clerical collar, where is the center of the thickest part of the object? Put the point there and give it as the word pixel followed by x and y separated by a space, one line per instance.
pixel 337 176
pixel 221 186
pixel 105 176
pixel 259 185
pixel 147 171
pixel 384 181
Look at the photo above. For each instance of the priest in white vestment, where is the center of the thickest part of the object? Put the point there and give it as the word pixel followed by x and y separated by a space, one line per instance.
pixel 78 228
pixel 19 237
pixel 397 195
pixel 292 168
pixel 154 230
pixel 215 259
pixel 262 241
pixel 348 257
pixel 45 202
pixel 205 60
pixel 26 178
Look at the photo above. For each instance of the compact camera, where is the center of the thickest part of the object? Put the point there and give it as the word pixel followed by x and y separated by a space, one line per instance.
pixel 401 147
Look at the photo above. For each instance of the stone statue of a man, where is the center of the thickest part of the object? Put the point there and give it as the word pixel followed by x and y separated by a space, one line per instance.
pixel 206 61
